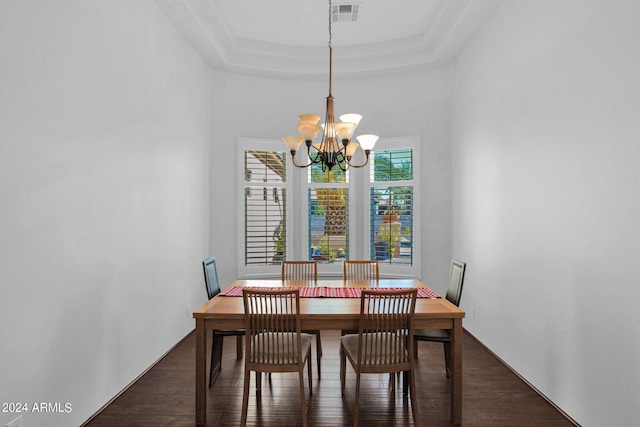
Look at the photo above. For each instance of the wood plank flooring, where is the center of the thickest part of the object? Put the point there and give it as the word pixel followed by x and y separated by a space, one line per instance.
pixel 492 394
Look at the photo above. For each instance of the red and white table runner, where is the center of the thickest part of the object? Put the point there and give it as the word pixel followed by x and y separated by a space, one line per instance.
pixel 326 291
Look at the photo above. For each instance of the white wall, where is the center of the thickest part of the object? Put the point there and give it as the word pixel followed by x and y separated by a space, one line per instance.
pixel 104 139
pixel 412 104
pixel 546 201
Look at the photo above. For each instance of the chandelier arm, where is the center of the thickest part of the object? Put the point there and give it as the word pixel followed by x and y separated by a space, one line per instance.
pixel 366 161
pixel 312 160
pixel 317 158
pixel 293 160
pixel 342 166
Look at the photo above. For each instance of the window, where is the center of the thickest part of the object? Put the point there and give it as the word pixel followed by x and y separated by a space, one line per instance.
pixel 264 190
pixel 328 215
pixel 364 213
pixel 391 206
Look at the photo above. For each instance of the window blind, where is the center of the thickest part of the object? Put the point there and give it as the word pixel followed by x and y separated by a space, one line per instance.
pixel 391 206
pixel 265 207
pixel 328 228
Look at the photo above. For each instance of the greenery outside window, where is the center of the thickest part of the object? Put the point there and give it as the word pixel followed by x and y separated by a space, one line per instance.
pixel 328 215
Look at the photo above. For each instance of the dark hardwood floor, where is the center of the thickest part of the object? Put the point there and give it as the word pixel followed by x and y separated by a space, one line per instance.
pixel 492 394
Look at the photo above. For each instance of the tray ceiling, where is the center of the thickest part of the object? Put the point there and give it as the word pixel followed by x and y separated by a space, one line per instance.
pixel 288 38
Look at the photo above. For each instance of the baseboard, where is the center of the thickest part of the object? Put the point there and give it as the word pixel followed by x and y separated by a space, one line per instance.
pixel 574 422
pixel 132 382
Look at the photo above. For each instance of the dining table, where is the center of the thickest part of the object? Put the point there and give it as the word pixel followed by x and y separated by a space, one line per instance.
pixel 326 304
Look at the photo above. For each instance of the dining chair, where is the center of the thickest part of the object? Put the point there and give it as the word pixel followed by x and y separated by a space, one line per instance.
pixel 304 270
pixel 274 341
pixel 384 342
pixel 454 292
pixel 299 270
pixel 213 289
pixel 360 270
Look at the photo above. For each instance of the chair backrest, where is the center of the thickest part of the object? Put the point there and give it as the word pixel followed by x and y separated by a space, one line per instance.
pixel 386 327
pixel 211 277
pixel 456 279
pixel 360 270
pixel 299 270
pixel 272 325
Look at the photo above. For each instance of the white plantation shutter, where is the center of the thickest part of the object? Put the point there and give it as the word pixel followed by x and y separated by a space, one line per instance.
pixel 328 209
pixel 328 214
pixel 392 208
pixel 265 207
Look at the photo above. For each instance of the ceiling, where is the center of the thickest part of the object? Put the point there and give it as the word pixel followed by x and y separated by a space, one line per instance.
pixel 289 38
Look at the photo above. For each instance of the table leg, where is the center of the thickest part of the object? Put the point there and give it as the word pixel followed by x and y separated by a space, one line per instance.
pixel 456 374
pixel 201 373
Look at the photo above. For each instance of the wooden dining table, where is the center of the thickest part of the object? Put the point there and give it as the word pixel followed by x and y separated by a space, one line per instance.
pixel 327 313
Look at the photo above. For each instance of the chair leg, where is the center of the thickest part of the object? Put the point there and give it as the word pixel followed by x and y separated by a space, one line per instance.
pixel 318 351
pixel 415 349
pixel 303 404
pixel 356 408
pixel 213 349
pixel 447 358
pixel 414 408
pixel 392 381
pixel 405 382
pixel 245 397
pixel 216 356
pixel 343 368
pixel 239 339
pixel 309 372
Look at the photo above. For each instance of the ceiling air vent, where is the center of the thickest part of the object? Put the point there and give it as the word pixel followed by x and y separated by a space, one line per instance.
pixel 345 12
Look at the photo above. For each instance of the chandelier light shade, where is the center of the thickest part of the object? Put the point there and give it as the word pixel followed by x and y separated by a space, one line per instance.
pixel 336 147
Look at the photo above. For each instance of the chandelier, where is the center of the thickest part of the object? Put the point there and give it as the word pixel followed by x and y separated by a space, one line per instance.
pixel 335 147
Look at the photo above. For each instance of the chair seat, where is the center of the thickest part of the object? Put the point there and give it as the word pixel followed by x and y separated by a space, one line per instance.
pixel 370 357
pixel 265 352
pixel 439 335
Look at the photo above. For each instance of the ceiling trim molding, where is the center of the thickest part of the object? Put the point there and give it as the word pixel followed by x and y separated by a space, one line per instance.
pixel 202 24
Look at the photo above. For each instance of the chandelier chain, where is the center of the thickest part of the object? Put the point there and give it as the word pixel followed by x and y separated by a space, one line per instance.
pixel 330 19
pixel 330 49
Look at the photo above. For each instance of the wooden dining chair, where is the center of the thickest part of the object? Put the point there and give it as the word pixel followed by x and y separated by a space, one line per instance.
pixel 274 341
pixel 384 342
pixel 213 289
pixel 304 270
pixel 454 292
pixel 299 270
pixel 360 270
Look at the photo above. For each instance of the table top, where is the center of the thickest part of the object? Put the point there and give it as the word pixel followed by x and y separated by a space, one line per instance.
pixel 230 308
